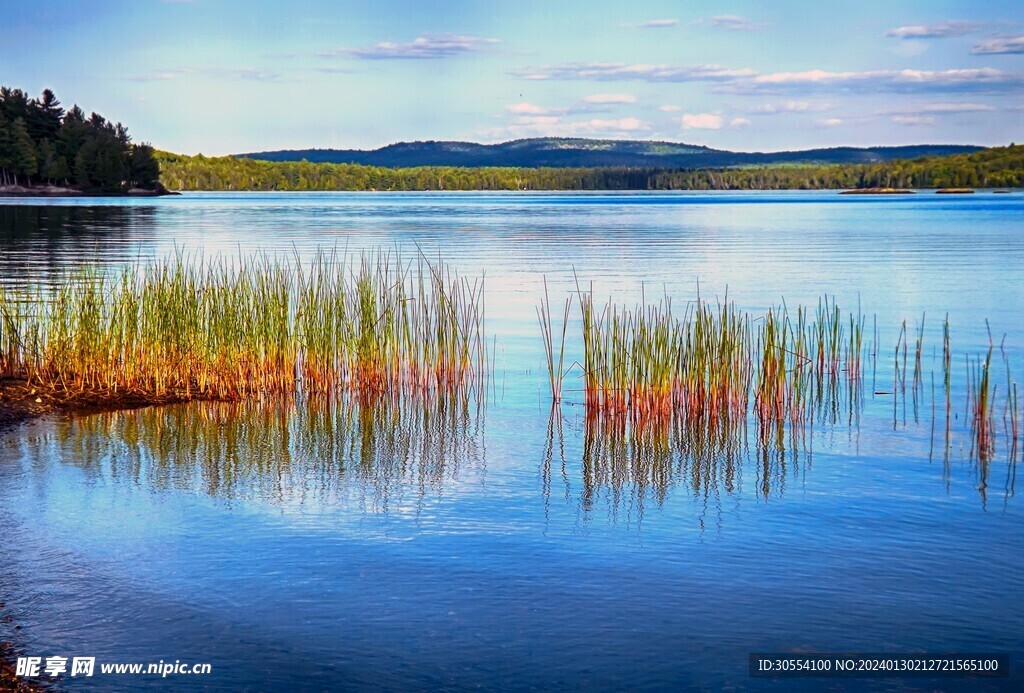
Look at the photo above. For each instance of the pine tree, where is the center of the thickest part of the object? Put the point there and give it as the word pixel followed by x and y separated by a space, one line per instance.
pixel 143 169
pixel 6 150
pixel 24 151
pixel 85 163
pixel 72 135
pixel 52 166
pixel 48 115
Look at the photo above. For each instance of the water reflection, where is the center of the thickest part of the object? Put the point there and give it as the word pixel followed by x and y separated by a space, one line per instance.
pixel 629 463
pixel 38 241
pixel 301 452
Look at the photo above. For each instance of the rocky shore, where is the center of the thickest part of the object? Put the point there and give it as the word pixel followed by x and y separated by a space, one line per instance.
pixel 60 191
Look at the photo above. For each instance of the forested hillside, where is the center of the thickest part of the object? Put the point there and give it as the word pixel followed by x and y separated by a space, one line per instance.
pixel 575 152
pixel 996 167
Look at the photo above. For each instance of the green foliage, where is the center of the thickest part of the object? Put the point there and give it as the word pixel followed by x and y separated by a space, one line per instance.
pixel 23 160
pixel 6 148
pixel 143 169
pixel 997 167
pixel 40 142
pixel 52 165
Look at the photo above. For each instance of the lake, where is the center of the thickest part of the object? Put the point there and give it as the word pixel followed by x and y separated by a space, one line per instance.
pixel 499 543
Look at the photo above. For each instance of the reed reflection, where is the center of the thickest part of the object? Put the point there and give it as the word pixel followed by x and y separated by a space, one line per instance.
pixel 628 463
pixel 299 451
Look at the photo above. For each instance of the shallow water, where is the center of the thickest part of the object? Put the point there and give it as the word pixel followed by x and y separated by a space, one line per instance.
pixel 487 544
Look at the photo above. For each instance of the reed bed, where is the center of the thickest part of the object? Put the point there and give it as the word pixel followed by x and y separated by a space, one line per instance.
pixel 185 328
pixel 716 361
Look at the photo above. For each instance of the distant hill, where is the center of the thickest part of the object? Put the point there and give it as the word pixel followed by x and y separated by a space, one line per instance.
pixel 998 167
pixel 584 153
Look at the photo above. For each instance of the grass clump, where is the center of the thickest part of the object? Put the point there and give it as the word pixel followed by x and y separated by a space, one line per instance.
pixel 715 360
pixel 185 328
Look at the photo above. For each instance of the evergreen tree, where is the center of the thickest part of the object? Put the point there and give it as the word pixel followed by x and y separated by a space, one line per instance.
pixel 23 151
pixel 14 103
pixel 52 166
pixel 40 141
pixel 72 134
pixel 143 168
pixel 48 116
pixel 6 150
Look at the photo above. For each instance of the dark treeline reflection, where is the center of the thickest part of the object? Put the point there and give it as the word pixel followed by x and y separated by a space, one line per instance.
pixel 629 463
pixel 41 240
pixel 291 452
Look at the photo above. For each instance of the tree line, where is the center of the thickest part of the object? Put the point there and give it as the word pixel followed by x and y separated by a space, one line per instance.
pixel 997 167
pixel 42 143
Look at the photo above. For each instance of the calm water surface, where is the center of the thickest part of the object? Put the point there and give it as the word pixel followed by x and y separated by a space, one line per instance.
pixel 449 545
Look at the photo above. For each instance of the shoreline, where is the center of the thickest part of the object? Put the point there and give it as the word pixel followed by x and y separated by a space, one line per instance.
pixel 58 193
pixel 49 191
pixel 9 681
pixel 20 401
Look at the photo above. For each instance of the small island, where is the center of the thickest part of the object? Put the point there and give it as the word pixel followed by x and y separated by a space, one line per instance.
pixel 49 152
pixel 877 191
pixel 955 191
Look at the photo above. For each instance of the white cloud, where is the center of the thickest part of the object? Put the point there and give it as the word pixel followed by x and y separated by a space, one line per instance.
pixel 701 121
pixel 748 81
pixel 739 123
pixel 791 107
pixel 934 31
pixel 225 73
pixel 601 71
pixel 609 98
pixel 735 22
pixel 426 47
pixel 594 103
pixel 525 108
pixel 956 108
pixel 625 124
pixel 831 122
pixel 1002 45
pixel 670 108
pixel 537 120
pixel 557 126
pixel 658 23
pixel 913 120
pixel 924 114
pixel 973 79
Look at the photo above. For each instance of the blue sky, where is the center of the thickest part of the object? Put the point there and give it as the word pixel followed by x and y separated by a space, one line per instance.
pixel 226 76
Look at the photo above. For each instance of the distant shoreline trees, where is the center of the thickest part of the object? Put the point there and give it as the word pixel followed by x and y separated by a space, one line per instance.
pixel 41 143
pixel 999 167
